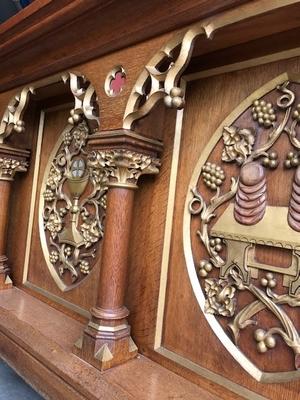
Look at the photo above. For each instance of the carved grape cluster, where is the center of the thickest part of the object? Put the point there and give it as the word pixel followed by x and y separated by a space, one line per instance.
pixel 84 214
pixel 68 138
pixel 68 251
pixel 84 267
pixel 269 281
pixel 74 118
pixel 271 160
pixel 63 211
pixel 19 126
pixel 204 268
pixel 49 195
pixel 263 113
pixel 216 244
pixel 103 202
pixel 175 99
pixel 54 256
pixel 296 113
pixel 213 175
pixel 264 341
pixel 292 160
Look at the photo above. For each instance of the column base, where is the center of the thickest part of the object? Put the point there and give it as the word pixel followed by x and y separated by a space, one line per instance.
pixel 105 347
pixel 5 281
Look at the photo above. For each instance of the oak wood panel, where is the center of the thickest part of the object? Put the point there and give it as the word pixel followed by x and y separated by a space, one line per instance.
pixel 85 294
pixel 209 101
pixel 28 332
pixel 20 198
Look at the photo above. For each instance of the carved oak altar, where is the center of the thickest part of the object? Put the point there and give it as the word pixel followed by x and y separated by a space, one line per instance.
pixel 159 208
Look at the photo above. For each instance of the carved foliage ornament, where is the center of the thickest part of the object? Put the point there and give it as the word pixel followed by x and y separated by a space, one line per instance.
pixel 72 209
pixel 236 214
pixel 9 166
pixel 124 167
pixel 73 195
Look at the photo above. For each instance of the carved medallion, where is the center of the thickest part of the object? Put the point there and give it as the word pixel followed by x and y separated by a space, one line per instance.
pixel 72 209
pixel 241 237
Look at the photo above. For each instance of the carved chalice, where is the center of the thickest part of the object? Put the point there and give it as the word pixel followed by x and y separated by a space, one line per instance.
pixel 77 181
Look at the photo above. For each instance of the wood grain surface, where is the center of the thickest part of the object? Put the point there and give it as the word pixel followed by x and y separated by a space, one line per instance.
pixel 37 340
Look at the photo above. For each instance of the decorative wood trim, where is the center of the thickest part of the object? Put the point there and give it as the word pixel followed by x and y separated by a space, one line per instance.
pixel 29 29
pixel 153 85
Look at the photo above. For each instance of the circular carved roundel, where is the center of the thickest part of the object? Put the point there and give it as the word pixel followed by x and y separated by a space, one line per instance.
pixel 242 231
pixel 72 209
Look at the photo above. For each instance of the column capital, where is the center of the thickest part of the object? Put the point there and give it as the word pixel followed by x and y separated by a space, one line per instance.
pixel 124 156
pixel 12 160
pixel 124 167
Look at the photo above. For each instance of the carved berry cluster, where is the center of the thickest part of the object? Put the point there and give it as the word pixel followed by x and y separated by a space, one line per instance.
pixel 263 113
pixel 213 175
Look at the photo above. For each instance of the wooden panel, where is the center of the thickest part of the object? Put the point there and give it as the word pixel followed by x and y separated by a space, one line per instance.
pixel 186 331
pixel 34 345
pixel 38 273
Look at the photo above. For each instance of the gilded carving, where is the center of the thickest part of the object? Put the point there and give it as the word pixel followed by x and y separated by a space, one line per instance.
pixel 213 175
pixel 263 113
pixel 12 119
pixel 156 82
pixel 238 143
pixel 219 297
pixel 237 217
pixel 271 160
pixel 9 166
pixel 86 102
pixel 73 208
pixel 123 167
pixel 292 160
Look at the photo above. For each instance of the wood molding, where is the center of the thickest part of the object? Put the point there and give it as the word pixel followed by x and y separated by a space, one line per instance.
pixel 45 23
pixel 31 343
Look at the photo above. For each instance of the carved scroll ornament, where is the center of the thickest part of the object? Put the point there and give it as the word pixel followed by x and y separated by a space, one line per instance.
pixel 229 238
pixel 12 120
pixel 161 76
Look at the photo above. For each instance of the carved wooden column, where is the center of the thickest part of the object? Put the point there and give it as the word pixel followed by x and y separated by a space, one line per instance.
pixel 124 156
pixel 11 161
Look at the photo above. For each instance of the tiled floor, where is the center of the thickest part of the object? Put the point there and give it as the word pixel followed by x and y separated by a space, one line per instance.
pixel 12 387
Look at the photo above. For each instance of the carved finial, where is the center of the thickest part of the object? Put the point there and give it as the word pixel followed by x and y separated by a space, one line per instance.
pixel 250 201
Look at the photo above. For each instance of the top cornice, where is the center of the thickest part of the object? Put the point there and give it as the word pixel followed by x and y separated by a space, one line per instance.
pixel 58 24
